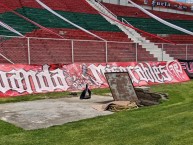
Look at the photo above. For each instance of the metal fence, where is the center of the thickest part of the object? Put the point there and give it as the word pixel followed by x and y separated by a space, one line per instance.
pixel 49 50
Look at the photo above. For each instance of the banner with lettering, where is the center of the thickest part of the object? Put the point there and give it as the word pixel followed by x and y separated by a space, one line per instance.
pixel 19 79
pixel 170 4
pixel 187 65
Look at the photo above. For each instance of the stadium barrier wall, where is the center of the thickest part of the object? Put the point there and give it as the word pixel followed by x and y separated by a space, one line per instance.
pixel 18 79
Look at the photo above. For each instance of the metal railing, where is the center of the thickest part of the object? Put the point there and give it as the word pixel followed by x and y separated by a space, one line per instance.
pixel 107 9
pixel 125 21
pixel 33 50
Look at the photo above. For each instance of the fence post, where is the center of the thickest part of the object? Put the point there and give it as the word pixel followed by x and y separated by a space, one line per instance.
pixel 106 51
pixel 136 56
pixel 28 47
pixel 72 43
pixel 162 51
pixel 186 51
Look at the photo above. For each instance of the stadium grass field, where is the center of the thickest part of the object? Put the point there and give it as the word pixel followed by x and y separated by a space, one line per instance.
pixel 169 123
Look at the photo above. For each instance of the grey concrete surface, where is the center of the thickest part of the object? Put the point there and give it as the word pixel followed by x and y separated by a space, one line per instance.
pixel 49 112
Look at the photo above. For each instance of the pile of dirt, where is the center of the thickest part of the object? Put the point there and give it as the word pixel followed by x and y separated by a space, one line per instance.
pixel 148 98
pixel 116 106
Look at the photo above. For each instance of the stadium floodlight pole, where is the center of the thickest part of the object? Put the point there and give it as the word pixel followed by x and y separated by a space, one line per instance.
pixel 127 25
pixel 10 29
pixel 161 20
pixel 31 21
pixel 66 20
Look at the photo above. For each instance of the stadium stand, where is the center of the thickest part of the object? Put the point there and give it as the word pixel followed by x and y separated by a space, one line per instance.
pixel 144 22
pixel 60 51
pixel 126 11
pixel 140 20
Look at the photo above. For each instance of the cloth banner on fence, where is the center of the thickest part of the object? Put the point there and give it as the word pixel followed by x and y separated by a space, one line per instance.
pixel 187 65
pixel 19 79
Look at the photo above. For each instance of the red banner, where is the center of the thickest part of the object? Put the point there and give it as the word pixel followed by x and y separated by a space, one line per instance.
pixel 18 79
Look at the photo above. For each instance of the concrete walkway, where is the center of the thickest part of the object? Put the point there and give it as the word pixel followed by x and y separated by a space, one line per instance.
pixel 45 113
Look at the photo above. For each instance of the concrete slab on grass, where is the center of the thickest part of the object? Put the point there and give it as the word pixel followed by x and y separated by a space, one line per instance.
pixel 49 112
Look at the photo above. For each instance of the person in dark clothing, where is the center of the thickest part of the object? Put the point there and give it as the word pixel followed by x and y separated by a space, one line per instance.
pixel 86 93
pixel 153 4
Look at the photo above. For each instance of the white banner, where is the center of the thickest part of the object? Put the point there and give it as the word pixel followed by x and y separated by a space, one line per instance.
pixel 10 28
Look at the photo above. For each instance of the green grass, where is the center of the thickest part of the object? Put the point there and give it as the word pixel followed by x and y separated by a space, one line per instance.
pixel 52 95
pixel 169 123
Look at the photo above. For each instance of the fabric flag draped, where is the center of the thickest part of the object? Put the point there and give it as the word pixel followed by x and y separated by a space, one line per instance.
pixel 28 79
pixel 161 20
pixel 10 28
pixel 61 17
